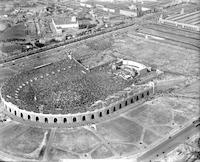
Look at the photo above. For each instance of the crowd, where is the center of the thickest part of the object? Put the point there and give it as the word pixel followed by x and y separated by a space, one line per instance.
pixel 68 88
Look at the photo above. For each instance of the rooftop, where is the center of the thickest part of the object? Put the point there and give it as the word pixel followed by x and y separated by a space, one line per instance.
pixel 59 20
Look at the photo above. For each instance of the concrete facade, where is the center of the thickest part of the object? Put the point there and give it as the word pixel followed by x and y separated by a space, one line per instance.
pixel 79 118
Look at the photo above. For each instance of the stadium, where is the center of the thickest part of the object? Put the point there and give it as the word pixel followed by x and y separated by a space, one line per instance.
pixel 68 94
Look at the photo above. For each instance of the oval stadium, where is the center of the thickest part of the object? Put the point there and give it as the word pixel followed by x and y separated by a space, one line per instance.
pixel 68 94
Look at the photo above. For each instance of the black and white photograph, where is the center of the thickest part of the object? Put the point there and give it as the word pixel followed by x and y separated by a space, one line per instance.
pixel 99 80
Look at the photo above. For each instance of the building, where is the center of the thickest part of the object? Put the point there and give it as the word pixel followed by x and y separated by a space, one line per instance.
pixel 85 5
pixel 140 68
pixel 61 23
pixel 113 8
pixel 128 13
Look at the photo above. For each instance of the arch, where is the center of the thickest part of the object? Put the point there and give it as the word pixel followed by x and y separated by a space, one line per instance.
pixel 120 106
pixel 29 117
pixel 137 98
pixel 126 103
pixel 55 120
pixel 131 100
pixel 10 109
pixel 74 119
pixel 147 93
pixel 46 120
pixel 37 118
pixel 83 118
pixel 142 95
pixel 100 114
pixel 92 116
pixel 65 120
pixel 15 112
pixel 114 109
pixel 21 115
pixel 108 112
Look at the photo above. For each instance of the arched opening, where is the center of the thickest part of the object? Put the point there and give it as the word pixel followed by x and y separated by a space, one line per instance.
pixel 126 103
pixel 120 106
pixel 55 120
pixel 142 95
pixel 74 119
pixel 21 115
pixel 147 93
pixel 92 116
pixel 64 120
pixel 137 98
pixel 29 117
pixel 15 113
pixel 37 118
pixel 108 112
pixel 46 120
pixel 114 109
pixel 10 110
pixel 131 100
pixel 83 118
pixel 100 114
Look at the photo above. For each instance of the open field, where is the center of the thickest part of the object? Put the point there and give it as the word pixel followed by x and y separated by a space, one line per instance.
pixel 165 57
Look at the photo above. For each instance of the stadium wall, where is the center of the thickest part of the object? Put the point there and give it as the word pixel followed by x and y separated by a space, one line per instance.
pixel 73 120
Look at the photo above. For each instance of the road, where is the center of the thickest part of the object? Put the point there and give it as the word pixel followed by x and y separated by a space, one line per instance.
pixel 48 144
pixel 169 144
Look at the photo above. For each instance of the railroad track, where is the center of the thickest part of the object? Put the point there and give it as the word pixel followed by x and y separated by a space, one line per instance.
pixel 174 30
pixel 173 38
pixel 168 33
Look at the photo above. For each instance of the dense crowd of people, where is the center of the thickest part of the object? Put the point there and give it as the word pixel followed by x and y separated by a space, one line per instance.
pixel 65 87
